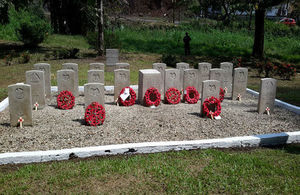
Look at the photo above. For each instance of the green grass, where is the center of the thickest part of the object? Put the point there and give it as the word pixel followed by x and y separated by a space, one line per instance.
pixel 66 41
pixel 261 171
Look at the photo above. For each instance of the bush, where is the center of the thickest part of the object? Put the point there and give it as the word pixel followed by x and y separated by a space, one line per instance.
pixel 111 40
pixel 169 60
pixel 24 58
pixel 66 53
pixel 32 31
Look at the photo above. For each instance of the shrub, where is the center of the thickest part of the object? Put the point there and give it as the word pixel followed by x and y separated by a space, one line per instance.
pixel 169 60
pixel 66 53
pixel 24 58
pixel 33 31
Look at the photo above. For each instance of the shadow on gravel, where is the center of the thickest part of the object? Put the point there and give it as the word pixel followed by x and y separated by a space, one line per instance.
pixel 81 121
pixel 195 114
pixel 252 110
pixel 5 124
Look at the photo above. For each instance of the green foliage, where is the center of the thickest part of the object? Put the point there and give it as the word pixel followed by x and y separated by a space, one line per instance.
pixel 64 53
pixel 24 58
pixel 169 60
pixel 111 39
pixel 32 30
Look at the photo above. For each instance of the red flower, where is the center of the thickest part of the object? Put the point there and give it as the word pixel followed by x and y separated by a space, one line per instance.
pixel 131 100
pixel 211 106
pixel 221 95
pixel 191 95
pixel 172 96
pixel 65 100
pixel 152 97
pixel 94 114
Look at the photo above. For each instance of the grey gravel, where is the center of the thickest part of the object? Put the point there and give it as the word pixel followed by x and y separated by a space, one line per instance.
pixel 58 129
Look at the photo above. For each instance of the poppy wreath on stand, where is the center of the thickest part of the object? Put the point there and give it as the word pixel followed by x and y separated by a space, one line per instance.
pixel 221 94
pixel 152 97
pixel 130 100
pixel 212 107
pixel 65 100
pixel 94 114
pixel 172 96
pixel 191 95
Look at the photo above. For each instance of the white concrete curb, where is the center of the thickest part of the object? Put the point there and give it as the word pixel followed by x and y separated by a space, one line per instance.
pixel 290 107
pixel 149 147
pixel 3 104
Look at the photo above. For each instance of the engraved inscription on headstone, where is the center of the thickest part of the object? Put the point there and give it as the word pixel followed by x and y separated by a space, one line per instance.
pixel 228 67
pixel 20 104
pixel 217 74
pixel 65 80
pixel 47 75
pixel 148 78
pixel 182 66
pixel 121 80
pixel 97 66
pixel 172 79
pixel 240 79
pixel 267 95
pixel 74 67
pixel 36 79
pixel 190 78
pixel 203 69
pixel 94 92
pixel 209 88
pixel 161 67
pixel 96 76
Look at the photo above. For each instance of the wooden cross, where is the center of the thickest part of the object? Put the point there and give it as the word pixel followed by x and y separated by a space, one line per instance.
pixel 36 105
pixel 225 89
pixel 211 115
pixel 117 101
pixel 239 97
pixel 21 120
pixel 268 110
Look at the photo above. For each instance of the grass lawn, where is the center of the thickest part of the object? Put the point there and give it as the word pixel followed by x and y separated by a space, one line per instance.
pixel 254 171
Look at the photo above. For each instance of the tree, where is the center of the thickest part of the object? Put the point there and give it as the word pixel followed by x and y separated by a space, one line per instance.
pixel 100 38
pixel 260 11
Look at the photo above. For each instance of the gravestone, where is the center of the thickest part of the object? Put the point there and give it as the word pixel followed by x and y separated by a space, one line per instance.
pixel 97 66
pixel 190 78
pixel 94 92
pixel 96 76
pixel 172 79
pixel 267 95
pixel 47 75
pixel 20 103
pixel 182 66
pixel 112 57
pixel 65 81
pixel 228 67
pixel 148 78
pixel 161 67
pixel 121 80
pixel 122 65
pixel 203 69
pixel 209 88
pixel 35 78
pixel 240 80
pixel 217 74
pixel 74 67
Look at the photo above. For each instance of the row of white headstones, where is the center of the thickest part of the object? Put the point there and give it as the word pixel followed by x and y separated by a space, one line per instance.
pixel 33 94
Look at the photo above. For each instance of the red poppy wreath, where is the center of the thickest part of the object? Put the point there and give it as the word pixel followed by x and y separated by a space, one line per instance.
pixel 130 100
pixel 212 107
pixel 65 100
pixel 221 94
pixel 172 96
pixel 191 95
pixel 94 114
pixel 152 97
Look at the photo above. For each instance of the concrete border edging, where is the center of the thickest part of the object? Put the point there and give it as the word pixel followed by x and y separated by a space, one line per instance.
pixel 290 107
pixel 149 147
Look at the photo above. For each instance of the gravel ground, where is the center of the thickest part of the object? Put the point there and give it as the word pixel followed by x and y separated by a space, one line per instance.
pixel 58 129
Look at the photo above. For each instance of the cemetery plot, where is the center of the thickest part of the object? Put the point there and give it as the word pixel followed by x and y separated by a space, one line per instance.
pixel 55 128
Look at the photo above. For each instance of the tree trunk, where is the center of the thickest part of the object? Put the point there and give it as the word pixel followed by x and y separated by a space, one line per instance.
pixel 258 46
pixel 100 38
pixel 250 18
